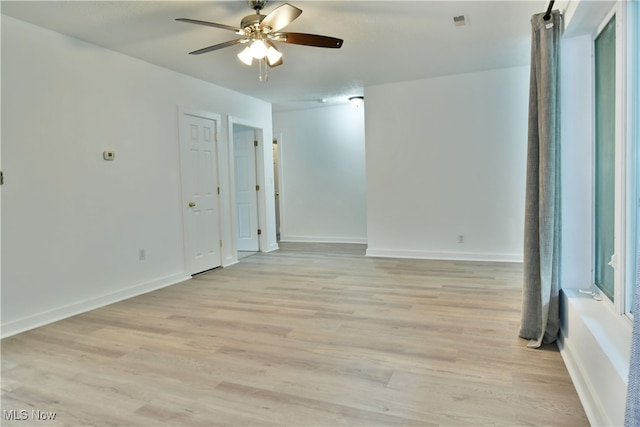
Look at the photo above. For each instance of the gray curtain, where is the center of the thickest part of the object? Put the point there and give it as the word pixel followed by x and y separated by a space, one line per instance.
pixel 540 294
pixel 632 415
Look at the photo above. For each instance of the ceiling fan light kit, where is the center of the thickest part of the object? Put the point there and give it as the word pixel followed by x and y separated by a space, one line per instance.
pixel 260 31
pixel 246 56
pixel 273 55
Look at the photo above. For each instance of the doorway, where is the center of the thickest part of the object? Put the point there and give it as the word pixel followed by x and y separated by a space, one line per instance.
pixel 246 188
pixel 276 184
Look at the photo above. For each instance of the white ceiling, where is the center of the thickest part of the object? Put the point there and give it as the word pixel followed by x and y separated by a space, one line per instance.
pixel 384 41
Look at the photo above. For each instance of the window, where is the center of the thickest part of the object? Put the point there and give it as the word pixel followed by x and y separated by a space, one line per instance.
pixel 631 294
pixel 616 210
pixel 634 152
pixel 605 142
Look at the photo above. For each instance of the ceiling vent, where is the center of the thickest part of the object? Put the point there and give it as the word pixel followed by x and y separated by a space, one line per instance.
pixel 460 21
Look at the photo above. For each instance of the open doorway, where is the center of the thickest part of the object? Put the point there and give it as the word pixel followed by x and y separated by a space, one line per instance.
pixel 246 189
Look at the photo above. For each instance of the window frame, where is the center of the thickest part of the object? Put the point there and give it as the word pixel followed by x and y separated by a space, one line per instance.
pixel 626 155
pixel 632 129
pixel 604 24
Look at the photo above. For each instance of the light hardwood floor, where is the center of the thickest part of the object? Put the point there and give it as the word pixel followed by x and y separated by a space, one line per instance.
pixel 310 335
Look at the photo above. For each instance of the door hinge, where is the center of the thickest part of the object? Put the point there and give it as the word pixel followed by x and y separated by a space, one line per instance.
pixel 255 142
pixel 220 243
pixel 215 136
pixel 257 188
pixel 259 232
pixel 1 178
pixel 218 190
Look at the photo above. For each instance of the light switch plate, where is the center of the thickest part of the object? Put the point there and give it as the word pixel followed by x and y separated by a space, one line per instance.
pixel 108 155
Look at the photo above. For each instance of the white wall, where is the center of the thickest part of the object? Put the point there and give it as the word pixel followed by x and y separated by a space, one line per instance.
pixel 322 186
pixel 72 223
pixel 446 157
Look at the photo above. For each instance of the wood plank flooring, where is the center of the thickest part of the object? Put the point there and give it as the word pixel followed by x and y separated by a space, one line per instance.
pixel 310 335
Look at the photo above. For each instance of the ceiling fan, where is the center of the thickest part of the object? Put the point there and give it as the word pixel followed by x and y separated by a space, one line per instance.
pixel 260 32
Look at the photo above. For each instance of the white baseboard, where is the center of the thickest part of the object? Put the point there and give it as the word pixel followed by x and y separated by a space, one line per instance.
pixel 230 259
pixel 31 322
pixel 453 256
pixel 580 381
pixel 323 239
pixel 272 247
pixel 595 344
pixel 230 262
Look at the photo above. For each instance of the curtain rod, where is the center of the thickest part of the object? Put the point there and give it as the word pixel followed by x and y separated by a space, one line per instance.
pixel 547 15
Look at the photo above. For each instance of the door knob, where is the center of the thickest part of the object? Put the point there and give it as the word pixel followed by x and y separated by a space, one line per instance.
pixel 192 204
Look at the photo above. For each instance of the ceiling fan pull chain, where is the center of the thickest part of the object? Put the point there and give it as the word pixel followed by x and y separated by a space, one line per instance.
pixel 263 77
pixel 266 70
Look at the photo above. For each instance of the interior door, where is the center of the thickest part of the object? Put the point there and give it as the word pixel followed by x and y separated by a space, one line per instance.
pixel 245 188
pixel 201 215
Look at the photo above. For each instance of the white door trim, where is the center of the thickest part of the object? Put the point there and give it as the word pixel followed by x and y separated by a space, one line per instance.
pixel 277 136
pixel 260 177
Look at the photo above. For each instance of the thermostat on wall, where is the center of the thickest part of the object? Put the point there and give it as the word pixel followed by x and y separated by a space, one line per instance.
pixel 108 155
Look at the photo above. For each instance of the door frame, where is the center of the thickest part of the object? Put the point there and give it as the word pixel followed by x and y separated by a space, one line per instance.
pixel 277 140
pixel 260 178
pixel 248 136
pixel 182 111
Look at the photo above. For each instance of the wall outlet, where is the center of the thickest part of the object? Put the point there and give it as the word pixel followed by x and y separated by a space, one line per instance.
pixel 460 238
pixel 142 254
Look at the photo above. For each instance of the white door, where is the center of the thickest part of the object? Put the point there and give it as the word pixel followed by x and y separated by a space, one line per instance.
pixel 245 188
pixel 199 163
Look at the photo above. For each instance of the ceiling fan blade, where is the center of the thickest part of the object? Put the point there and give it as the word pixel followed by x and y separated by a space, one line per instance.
pixel 280 17
pixel 209 24
pixel 310 40
pixel 216 47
